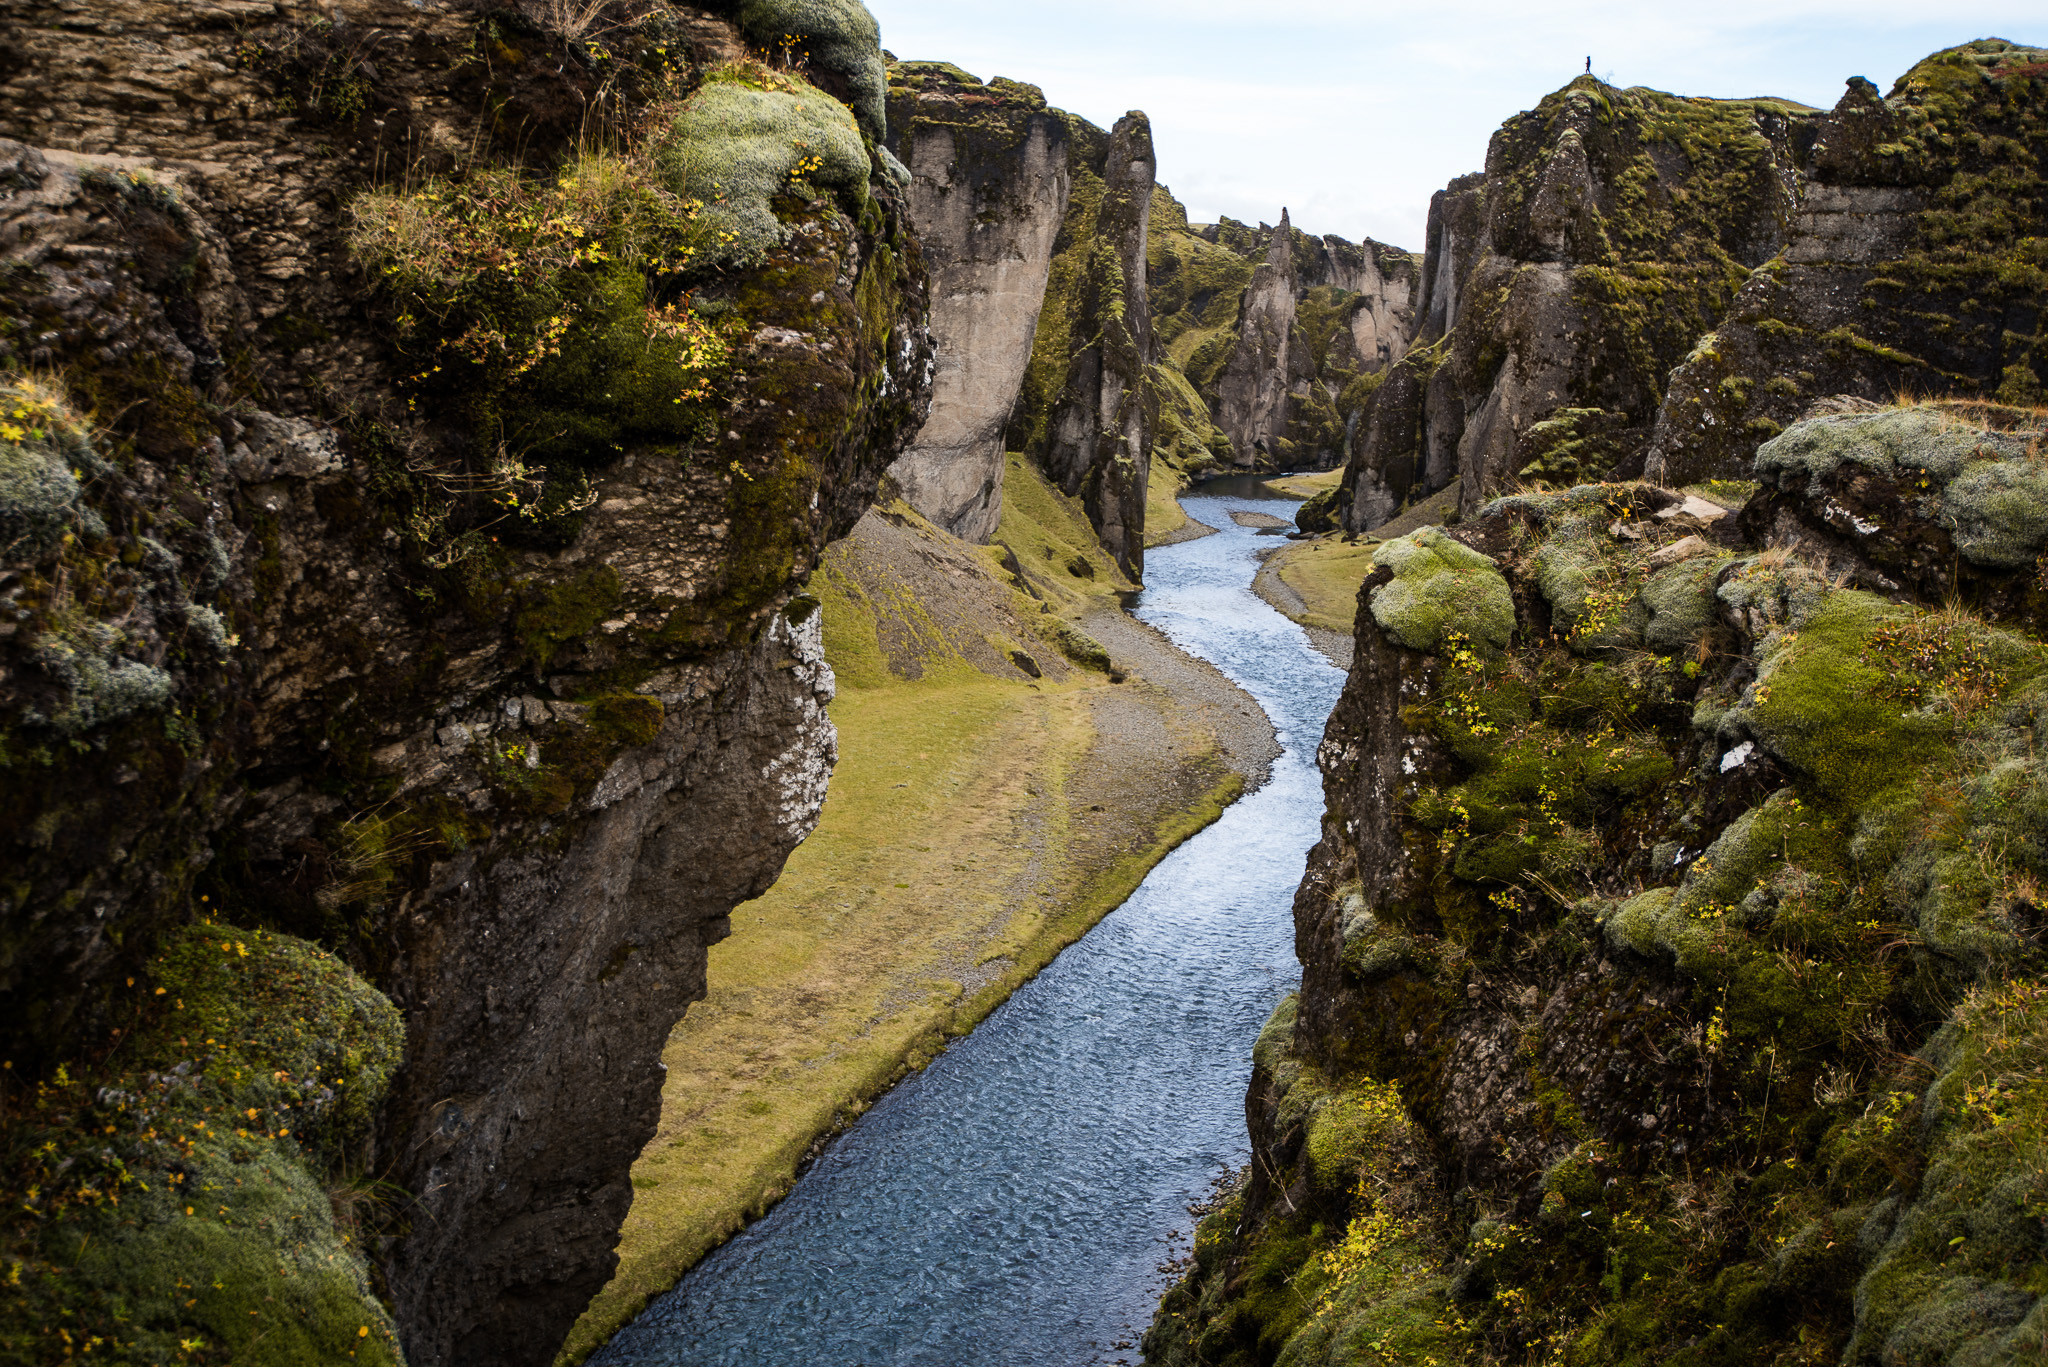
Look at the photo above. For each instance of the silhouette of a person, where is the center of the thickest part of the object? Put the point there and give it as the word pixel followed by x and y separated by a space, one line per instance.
pixel 1589 66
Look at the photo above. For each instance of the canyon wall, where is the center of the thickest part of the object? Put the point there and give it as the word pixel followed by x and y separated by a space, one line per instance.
pixel 1646 284
pixel 1088 408
pixel 989 192
pixel 1280 334
pixel 1673 974
pixel 437 642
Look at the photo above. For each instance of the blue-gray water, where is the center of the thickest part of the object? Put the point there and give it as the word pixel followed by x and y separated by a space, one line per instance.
pixel 1010 1205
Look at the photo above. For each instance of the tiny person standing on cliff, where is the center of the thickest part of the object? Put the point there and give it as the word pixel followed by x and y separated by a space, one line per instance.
pixel 1589 66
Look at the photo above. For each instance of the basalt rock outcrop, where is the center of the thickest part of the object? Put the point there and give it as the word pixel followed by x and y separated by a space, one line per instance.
pixel 1663 997
pixel 1275 332
pixel 430 649
pixel 1318 316
pixel 1644 284
pixel 1913 265
pixel 989 193
pixel 1088 406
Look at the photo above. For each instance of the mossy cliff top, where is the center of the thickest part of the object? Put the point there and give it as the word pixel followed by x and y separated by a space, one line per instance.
pixel 413 581
pixel 1917 237
pixel 1643 283
pixel 1673 984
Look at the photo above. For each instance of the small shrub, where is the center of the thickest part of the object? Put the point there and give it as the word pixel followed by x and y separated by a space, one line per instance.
pixel 544 309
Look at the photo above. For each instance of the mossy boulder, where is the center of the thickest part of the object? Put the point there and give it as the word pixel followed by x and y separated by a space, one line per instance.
pixel 1440 587
pixel 1955 1276
pixel 1319 513
pixel 840 38
pixel 744 140
pixel 1866 473
pixel 201 1194
pixel 1679 604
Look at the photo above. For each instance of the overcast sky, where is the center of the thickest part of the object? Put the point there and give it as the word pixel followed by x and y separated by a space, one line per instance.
pixel 1352 114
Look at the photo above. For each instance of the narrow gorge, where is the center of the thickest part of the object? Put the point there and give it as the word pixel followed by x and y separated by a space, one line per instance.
pixel 636 721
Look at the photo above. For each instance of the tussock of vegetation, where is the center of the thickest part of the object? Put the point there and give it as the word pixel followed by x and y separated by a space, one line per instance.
pixel 196 1194
pixel 750 135
pixel 543 310
pixel 838 36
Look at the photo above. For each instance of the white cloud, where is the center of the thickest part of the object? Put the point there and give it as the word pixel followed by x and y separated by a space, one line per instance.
pixel 1353 114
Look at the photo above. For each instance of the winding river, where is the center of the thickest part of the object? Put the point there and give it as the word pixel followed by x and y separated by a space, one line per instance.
pixel 1012 1204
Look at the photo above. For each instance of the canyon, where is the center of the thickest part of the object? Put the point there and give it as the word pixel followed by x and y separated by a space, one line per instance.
pixel 443 446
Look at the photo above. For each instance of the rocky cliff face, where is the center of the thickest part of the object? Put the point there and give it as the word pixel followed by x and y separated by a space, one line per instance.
pixel 1088 406
pixel 434 630
pixel 1661 999
pixel 1317 319
pixel 1267 364
pixel 1912 264
pixel 990 189
pixel 1641 283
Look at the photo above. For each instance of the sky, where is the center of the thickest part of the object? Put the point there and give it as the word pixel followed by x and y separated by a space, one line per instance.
pixel 1352 115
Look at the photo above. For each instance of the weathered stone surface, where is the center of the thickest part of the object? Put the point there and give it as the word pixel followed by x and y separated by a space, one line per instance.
pixel 517 787
pixel 1268 361
pixel 1641 284
pixel 990 189
pixel 1088 409
pixel 1315 318
pixel 1906 269
pixel 1610 229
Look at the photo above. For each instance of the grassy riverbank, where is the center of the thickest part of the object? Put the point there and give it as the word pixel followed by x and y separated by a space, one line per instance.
pixel 979 821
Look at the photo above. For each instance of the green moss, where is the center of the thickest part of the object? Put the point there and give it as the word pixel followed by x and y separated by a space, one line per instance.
pixel 1184 436
pixel 1439 587
pixel 1982 487
pixel 1680 603
pixel 1346 1131
pixel 527 306
pixel 1957 1276
pixel 1570 446
pixel 1823 707
pixel 1195 285
pixel 183 1196
pixel 746 138
pixel 566 611
pixel 837 36
pixel 1076 644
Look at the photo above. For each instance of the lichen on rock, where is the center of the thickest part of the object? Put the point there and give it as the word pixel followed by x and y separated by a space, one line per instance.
pixel 1440 587
pixel 741 141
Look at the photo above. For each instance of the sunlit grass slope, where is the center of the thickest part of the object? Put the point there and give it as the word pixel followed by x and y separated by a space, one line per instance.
pixel 957 854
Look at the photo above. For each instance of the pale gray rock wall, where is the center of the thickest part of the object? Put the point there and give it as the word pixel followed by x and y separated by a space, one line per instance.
pixel 1252 393
pixel 989 190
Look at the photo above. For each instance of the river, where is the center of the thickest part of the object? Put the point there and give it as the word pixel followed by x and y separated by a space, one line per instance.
pixel 1012 1204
